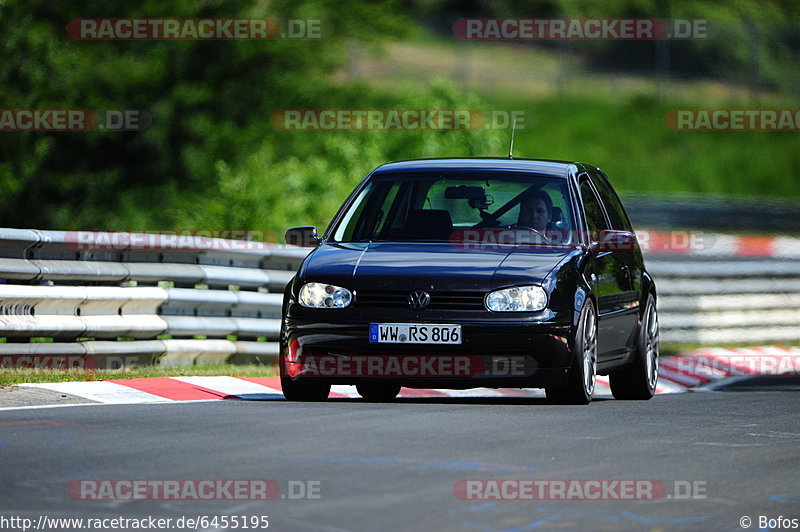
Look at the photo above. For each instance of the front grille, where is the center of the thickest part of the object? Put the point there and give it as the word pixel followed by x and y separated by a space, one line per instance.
pixel 440 300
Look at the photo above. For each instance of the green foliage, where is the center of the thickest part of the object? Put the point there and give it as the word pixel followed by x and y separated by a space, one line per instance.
pixel 212 160
pixel 630 142
pixel 273 191
pixel 209 100
pixel 738 30
pixel 10 377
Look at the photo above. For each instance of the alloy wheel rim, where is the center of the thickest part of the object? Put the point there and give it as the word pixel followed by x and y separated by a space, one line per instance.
pixel 651 345
pixel 589 352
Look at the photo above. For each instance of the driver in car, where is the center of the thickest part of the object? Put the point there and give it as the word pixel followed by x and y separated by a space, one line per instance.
pixel 535 211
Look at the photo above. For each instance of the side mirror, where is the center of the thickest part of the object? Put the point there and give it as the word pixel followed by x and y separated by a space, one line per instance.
pixel 613 240
pixel 304 236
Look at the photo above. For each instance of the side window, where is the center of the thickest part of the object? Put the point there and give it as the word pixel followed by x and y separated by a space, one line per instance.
pixel 616 212
pixel 594 212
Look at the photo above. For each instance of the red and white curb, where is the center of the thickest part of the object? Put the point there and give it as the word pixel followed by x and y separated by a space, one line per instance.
pixel 704 366
pixel 677 374
pixel 172 389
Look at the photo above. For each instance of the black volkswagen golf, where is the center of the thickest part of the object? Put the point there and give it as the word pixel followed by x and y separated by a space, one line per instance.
pixel 464 273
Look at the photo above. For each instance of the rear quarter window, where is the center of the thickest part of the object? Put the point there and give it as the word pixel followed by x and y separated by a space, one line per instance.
pixel 614 209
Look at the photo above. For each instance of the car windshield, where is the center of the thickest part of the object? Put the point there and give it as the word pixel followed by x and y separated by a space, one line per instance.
pixel 459 207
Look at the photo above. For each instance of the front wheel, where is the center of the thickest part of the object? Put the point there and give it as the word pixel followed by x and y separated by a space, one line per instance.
pixel 301 391
pixel 638 380
pixel 580 385
pixel 378 393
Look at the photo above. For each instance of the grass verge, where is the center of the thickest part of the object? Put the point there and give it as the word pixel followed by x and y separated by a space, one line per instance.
pixel 610 120
pixel 10 377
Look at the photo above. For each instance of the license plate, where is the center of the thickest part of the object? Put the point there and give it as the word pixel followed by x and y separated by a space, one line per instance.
pixel 411 333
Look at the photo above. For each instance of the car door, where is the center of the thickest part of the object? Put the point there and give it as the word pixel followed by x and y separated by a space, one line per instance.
pixel 606 273
pixel 628 255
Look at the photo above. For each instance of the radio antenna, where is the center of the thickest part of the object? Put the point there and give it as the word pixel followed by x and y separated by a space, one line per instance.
pixel 511 147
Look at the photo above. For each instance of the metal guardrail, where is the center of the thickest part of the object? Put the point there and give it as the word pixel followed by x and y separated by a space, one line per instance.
pixel 714 213
pixel 156 298
pixel 714 301
pixel 179 303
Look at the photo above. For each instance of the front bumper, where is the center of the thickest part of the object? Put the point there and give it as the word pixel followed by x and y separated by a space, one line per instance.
pixel 499 354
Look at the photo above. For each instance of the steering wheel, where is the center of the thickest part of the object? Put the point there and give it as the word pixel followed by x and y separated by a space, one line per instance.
pixel 528 228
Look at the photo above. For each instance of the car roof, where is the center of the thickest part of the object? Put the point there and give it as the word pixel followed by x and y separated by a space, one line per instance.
pixel 544 167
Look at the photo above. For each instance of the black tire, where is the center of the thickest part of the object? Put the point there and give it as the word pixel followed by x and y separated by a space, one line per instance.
pixel 638 380
pixel 378 393
pixel 581 381
pixel 302 391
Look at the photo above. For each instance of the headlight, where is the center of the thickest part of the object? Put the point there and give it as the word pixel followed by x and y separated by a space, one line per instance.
pixel 319 295
pixel 517 299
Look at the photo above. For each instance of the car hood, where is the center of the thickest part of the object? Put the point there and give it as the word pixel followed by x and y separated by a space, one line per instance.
pixel 434 266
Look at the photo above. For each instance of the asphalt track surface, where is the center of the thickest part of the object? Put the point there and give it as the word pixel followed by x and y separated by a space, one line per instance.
pixel 394 466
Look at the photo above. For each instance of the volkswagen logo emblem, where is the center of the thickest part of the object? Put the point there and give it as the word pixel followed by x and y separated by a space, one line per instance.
pixel 419 299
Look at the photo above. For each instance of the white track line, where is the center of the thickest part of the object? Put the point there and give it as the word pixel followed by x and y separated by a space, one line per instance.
pixel 33 407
